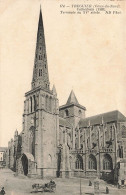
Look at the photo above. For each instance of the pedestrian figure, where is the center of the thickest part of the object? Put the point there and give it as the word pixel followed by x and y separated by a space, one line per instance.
pixel 107 190
pixel 90 183
pixel 2 192
pixel 118 186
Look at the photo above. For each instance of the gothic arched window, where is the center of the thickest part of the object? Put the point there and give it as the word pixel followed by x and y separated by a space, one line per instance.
pixel 66 112
pixel 107 162
pixel 50 104
pixel 40 57
pixel 79 162
pixel 120 151
pixel 80 112
pixel 123 131
pixel 40 72
pixel 92 163
pixel 32 140
pixel 31 103
pixel 46 102
pixel 34 103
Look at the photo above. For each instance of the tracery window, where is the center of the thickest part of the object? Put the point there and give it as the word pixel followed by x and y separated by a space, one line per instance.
pixel 123 131
pixel 40 72
pixel 79 162
pixel 107 162
pixel 40 57
pixel 92 163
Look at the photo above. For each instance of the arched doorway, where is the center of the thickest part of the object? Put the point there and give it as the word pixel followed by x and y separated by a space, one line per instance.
pixel 24 160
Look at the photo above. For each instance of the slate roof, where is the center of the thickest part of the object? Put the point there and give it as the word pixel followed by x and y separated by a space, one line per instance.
pixel 2 149
pixel 72 98
pixel 106 117
pixel 63 122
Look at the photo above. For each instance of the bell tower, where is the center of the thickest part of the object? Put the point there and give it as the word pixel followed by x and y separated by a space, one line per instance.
pixel 41 115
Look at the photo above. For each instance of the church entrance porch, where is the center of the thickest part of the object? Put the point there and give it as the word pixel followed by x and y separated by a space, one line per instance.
pixel 24 160
pixel 26 165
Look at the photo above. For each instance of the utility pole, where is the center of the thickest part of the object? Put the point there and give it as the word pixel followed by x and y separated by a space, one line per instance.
pixel 80 184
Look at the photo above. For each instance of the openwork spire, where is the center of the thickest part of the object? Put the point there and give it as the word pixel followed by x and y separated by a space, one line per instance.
pixel 40 71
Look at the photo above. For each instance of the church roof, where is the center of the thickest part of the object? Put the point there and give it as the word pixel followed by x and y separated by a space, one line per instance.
pixel 2 149
pixel 63 122
pixel 72 98
pixel 105 118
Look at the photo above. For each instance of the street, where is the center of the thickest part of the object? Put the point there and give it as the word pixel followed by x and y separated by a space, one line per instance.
pixel 20 185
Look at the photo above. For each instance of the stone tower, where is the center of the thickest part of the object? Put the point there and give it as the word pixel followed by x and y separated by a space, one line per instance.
pixel 40 118
pixel 72 112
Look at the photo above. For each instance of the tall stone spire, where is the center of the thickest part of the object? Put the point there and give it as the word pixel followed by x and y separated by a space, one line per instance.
pixel 40 72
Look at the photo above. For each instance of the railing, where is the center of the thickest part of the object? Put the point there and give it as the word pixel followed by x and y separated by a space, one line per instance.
pixel 92 150
pixel 106 150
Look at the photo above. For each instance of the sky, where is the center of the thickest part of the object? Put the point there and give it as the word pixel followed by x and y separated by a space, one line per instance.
pixel 85 53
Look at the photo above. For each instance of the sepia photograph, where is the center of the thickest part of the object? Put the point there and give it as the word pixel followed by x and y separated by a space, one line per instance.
pixel 63 97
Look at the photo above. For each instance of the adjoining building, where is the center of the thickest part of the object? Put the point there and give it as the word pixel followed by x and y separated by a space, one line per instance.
pixel 61 141
pixel 3 151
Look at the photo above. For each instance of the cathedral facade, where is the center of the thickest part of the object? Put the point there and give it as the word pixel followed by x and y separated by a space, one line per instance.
pixel 59 141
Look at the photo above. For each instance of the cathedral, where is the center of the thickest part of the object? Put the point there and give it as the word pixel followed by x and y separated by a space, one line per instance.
pixel 59 141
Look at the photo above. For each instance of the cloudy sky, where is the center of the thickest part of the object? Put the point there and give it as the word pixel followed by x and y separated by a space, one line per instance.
pixel 85 53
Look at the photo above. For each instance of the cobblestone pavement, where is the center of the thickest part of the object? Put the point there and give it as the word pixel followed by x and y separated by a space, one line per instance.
pixel 21 185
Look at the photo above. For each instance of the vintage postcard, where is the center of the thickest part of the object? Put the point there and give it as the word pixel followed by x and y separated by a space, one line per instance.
pixel 63 97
